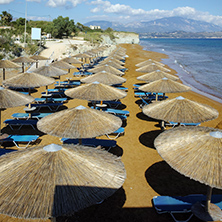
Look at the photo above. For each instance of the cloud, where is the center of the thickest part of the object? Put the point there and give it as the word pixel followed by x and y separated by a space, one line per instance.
pixel 34 1
pixel 38 18
pixel 130 14
pixel 65 3
pixel 2 2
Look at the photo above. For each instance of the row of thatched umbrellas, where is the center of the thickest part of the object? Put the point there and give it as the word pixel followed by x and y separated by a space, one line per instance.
pixel 98 174
pixel 193 151
pixel 177 146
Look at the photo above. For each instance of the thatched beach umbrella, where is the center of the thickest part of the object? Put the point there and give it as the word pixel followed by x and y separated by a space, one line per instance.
pixel 10 98
pixel 196 153
pixel 117 56
pixel 112 59
pixel 149 62
pixel 96 92
pixel 23 60
pixel 107 68
pixel 111 63
pixel 71 60
pixel 57 180
pixel 28 80
pixel 152 67
pixel 180 110
pixel 62 65
pixel 79 122
pixel 156 75
pixel 4 64
pixel 37 58
pixel 83 56
pixel 164 86
pixel 105 78
pixel 50 71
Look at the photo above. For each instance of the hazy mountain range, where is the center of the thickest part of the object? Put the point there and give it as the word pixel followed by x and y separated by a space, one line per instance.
pixel 169 24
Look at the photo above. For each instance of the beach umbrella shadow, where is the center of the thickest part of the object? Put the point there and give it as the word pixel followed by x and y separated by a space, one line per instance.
pixel 142 116
pixel 147 138
pixel 117 150
pixel 167 181
pixel 111 206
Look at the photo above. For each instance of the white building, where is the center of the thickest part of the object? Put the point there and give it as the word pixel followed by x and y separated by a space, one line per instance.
pixel 94 27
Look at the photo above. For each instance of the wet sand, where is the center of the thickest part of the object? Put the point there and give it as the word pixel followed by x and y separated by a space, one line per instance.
pixel 147 174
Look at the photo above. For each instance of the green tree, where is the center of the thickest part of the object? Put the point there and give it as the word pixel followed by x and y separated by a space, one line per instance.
pixel 6 18
pixel 63 27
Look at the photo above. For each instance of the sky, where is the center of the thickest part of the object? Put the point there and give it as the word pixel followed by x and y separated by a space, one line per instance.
pixel 123 11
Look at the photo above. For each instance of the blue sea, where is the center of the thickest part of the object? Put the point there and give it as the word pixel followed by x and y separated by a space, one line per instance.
pixel 198 62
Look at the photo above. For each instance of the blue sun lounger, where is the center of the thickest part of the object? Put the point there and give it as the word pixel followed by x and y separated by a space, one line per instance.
pixel 117 133
pixel 20 123
pixel 29 116
pixel 181 204
pixel 50 106
pixel 114 111
pixel 122 88
pixel 113 104
pixel 16 139
pixel 53 100
pixel 173 124
pixel 91 142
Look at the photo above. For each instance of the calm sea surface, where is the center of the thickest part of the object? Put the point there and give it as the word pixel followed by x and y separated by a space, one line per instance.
pixel 198 62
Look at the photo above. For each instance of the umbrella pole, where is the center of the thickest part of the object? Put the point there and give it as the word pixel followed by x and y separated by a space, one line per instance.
pixel 36 64
pixel 0 121
pixel 23 68
pixel 3 73
pixel 208 200
pixel 162 125
pixel 53 219
pixel 80 141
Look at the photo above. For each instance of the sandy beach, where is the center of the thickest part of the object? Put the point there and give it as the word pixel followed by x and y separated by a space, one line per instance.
pixel 147 174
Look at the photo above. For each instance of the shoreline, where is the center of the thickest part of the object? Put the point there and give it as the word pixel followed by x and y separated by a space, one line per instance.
pixel 186 78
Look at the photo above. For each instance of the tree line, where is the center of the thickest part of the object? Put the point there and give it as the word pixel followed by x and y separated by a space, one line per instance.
pixel 58 28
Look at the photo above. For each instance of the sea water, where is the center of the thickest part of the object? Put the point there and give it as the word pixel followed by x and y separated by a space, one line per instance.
pixel 198 62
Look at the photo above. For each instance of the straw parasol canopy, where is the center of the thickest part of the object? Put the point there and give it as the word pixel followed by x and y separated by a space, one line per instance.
pixel 115 56
pixel 23 60
pixel 195 152
pixel 57 180
pixel 10 98
pixel 111 63
pixel 4 64
pixel 164 86
pixel 112 59
pixel 50 71
pixel 28 80
pixel 82 56
pixel 152 67
pixel 79 122
pixel 180 110
pixel 107 68
pixel 71 60
pixel 62 65
pixel 149 62
pixel 156 75
pixel 95 91
pixel 105 78
pixel 37 58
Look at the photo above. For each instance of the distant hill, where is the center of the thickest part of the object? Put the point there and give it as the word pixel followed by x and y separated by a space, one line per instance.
pixel 169 24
